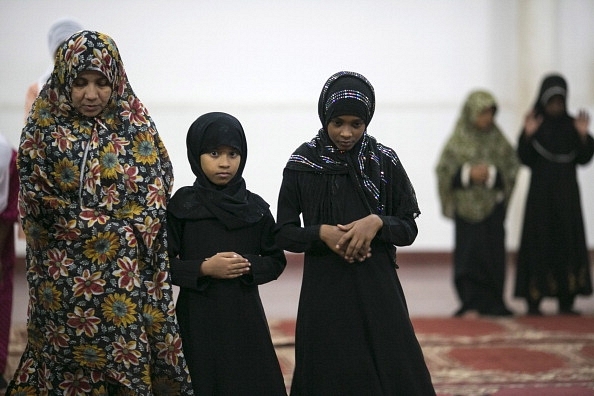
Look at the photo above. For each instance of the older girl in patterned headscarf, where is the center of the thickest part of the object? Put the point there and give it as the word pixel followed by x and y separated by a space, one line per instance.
pixel 95 181
pixel 353 332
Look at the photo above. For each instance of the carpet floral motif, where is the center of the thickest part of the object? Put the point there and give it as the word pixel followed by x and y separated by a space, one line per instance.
pixel 545 356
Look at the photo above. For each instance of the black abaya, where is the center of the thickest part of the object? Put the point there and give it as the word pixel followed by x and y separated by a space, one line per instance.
pixel 553 258
pixel 354 335
pixel 223 326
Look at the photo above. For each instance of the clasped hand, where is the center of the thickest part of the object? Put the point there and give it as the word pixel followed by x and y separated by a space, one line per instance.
pixel 225 265
pixel 352 241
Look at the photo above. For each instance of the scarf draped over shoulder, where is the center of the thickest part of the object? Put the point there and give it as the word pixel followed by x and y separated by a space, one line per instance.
pixel 90 170
pixel 383 183
pixel 469 145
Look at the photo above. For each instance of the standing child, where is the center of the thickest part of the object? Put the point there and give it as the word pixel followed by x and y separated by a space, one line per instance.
pixel 476 173
pixel 553 257
pixel 222 247
pixel 354 335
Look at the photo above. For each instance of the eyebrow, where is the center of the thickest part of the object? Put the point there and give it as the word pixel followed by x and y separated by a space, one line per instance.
pixel 348 115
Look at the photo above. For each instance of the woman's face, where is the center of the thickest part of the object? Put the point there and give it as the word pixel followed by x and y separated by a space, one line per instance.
pixel 220 165
pixel 91 91
pixel 484 120
pixel 555 107
pixel 345 131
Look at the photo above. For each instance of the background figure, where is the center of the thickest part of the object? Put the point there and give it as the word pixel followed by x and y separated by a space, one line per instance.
pixel 353 334
pixel 9 189
pixel 95 180
pixel 58 32
pixel 221 248
pixel 553 258
pixel 476 173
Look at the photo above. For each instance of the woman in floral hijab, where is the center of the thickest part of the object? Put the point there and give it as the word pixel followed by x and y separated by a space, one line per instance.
pixel 95 181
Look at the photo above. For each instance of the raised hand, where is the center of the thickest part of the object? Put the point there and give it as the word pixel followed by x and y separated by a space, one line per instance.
pixel 532 123
pixel 582 122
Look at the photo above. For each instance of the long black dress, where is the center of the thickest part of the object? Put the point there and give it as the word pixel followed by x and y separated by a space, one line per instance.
pixel 354 335
pixel 223 326
pixel 553 258
pixel 222 321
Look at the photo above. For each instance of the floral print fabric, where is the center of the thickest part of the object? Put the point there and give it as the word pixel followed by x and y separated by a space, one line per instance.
pixel 93 204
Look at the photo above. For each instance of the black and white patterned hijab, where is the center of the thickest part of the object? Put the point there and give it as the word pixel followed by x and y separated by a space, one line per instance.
pixel 383 182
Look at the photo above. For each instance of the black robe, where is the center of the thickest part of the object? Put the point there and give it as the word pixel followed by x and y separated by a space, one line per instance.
pixel 354 335
pixel 553 258
pixel 225 334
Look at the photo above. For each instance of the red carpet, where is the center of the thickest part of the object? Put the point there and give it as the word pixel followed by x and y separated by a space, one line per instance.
pixel 544 356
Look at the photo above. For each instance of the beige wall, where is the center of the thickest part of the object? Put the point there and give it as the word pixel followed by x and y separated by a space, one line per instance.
pixel 265 61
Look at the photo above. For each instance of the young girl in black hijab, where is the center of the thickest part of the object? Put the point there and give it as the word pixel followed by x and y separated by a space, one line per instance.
pixel 354 335
pixel 222 247
pixel 553 257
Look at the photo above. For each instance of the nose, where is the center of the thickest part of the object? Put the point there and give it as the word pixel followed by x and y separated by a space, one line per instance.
pixel 346 131
pixel 91 92
pixel 224 161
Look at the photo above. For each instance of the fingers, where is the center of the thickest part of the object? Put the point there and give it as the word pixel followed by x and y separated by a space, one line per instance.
pixel 238 269
pixel 582 122
pixel 229 265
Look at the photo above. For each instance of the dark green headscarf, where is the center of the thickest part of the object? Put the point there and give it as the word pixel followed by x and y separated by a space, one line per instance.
pixel 470 145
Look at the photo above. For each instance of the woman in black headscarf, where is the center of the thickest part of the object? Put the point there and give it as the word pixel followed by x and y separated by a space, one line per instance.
pixel 221 245
pixel 553 257
pixel 353 335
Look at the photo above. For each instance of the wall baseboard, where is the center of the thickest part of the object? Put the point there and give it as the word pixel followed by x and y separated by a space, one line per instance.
pixel 421 257
pixel 416 257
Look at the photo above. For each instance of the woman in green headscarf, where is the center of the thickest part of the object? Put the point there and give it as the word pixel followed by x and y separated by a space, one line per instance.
pixel 476 174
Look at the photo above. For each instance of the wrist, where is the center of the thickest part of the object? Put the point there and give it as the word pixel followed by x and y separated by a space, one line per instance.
pixel 379 222
pixel 204 268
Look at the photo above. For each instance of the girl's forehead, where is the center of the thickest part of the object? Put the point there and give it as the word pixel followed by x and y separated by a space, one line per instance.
pixel 224 147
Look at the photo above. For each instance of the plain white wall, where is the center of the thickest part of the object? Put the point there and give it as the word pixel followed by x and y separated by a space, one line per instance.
pixel 265 62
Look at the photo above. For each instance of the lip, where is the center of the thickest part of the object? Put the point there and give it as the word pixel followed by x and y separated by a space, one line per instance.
pixel 91 108
pixel 343 145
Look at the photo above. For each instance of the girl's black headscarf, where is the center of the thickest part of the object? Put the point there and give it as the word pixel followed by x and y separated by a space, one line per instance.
pixel 232 203
pixel 556 138
pixel 381 179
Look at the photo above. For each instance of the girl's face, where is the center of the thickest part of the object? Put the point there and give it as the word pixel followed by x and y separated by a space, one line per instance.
pixel 555 106
pixel 91 91
pixel 484 120
pixel 220 165
pixel 345 131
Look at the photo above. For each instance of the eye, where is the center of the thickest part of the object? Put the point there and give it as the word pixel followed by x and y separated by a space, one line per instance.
pixel 214 153
pixel 358 124
pixel 103 82
pixel 336 122
pixel 79 82
pixel 233 154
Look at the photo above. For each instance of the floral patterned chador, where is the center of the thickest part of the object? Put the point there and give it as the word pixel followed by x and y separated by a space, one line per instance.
pixel 93 204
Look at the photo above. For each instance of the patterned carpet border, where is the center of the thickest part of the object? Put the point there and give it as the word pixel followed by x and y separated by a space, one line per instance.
pixel 544 356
